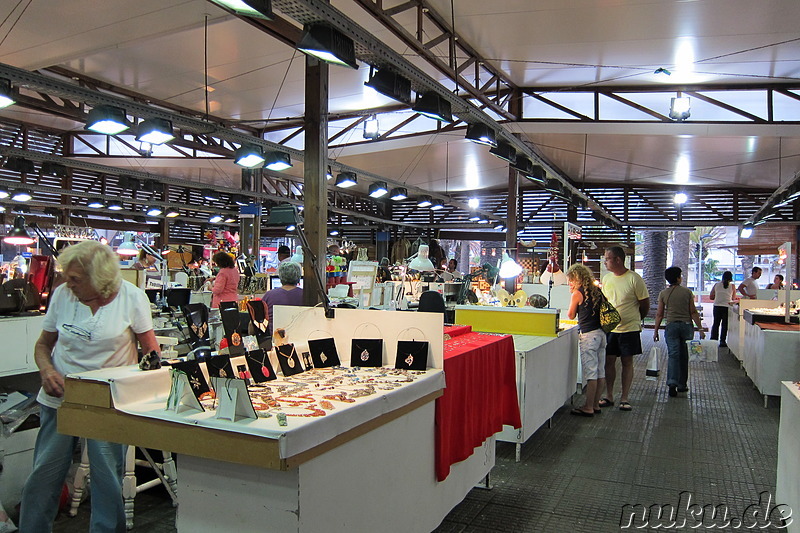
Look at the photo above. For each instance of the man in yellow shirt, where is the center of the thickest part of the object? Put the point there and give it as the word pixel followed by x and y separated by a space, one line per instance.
pixel 626 291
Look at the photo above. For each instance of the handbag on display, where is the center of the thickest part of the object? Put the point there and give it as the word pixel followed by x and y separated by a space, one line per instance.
pixel 260 366
pixel 288 359
pixel 366 351
pixel 195 375
pixel 609 316
pixel 219 366
pixel 229 315
pixel 323 352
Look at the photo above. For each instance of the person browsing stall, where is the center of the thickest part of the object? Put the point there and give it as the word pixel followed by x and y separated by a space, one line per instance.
pixel 146 263
pixel 777 282
pixel 284 253
pixel 94 320
pixel 749 287
pixel 288 293
pixel 626 291
pixel 584 303
pixel 723 294
pixel 226 282
pixel 676 304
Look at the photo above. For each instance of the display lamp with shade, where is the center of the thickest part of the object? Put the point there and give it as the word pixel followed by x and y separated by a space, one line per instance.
pixel 128 247
pixel 431 105
pixel 399 193
pixel 108 120
pixel 421 262
pixel 297 257
pixel 277 161
pixel 329 45
pixel 346 179
pixel 4 192
pixel 746 231
pixel 508 267
pixel 155 131
pixel 248 156
pixel 482 134
pixel 171 212
pixel 18 235
pixel 378 189
pixel 21 195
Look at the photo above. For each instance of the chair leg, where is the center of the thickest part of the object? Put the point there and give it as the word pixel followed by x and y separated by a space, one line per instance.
pixel 81 478
pixel 171 473
pixel 129 485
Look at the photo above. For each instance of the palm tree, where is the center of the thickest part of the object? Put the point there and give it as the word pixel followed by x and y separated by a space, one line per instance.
pixel 703 239
pixel 655 262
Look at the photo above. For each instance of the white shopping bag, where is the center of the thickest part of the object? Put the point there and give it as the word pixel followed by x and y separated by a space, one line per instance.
pixel 652 363
pixel 702 350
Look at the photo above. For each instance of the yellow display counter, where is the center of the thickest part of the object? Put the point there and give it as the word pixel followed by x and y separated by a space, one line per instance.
pixel 510 320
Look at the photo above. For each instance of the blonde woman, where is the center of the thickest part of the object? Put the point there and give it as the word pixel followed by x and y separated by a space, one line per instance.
pixel 585 304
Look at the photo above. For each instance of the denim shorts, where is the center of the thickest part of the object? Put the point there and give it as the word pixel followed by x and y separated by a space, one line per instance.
pixel 592 345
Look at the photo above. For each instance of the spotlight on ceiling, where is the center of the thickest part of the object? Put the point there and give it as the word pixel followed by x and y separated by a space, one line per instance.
pixel 474 203
pixel 329 45
pixel 378 189
pixel 474 218
pixel 153 211
pixel 248 156
pixel 4 192
pixel 482 134
pixel 391 84
pixel 399 193
pixel 346 179
pixel 214 219
pixel 95 203
pixel 19 164
pixel 251 8
pixel 6 96
pixel 329 173
pixel 239 199
pixel 504 151
pixel 277 161
pixel 21 195
pixel 746 231
pixel 107 119
pixel 54 169
pixel 537 175
pixel 436 205
pixel 115 205
pixel 230 219
pixel 155 131
pixel 523 165
pixel 171 212
pixel 371 130
pixel 680 198
pixel 431 105
pixel 334 232
pixel 18 235
pixel 424 201
pixel 210 194
pixel 680 108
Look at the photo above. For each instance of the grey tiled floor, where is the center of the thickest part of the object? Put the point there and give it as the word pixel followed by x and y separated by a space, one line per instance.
pixel 717 442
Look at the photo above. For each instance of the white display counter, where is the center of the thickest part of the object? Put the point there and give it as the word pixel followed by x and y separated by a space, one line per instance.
pixel 19 335
pixel 559 295
pixel 736 324
pixel 788 488
pixel 770 357
pixel 547 374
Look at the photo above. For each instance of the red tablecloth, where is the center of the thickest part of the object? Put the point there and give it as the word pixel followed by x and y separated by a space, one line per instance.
pixel 455 330
pixel 480 396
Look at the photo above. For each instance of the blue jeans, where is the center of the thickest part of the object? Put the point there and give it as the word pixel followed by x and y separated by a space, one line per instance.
pixel 52 458
pixel 676 335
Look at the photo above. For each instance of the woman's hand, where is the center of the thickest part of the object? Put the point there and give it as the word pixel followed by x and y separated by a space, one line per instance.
pixel 655 336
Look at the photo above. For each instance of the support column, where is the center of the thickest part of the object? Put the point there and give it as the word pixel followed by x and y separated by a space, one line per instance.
pixel 511 221
pixel 315 191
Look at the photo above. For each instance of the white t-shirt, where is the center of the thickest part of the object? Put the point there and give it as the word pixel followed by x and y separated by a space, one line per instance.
pixel 87 342
pixel 751 286
pixel 723 296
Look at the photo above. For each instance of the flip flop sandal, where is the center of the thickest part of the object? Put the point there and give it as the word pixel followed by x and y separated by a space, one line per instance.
pixel 605 402
pixel 578 412
pixel 625 406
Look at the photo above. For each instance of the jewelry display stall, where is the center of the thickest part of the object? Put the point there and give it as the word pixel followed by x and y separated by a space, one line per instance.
pixel 787 490
pixel 771 353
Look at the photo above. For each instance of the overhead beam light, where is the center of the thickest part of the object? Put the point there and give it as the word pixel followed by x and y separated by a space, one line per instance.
pixel 153 211
pixel 210 194
pixel 522 164
pixel 378 189
pixel 251 8
pixel 18 235
pixel 277 161
pixel 329 174
pixel 424 201
pixel 537 175
pixel 171 212
pixel 6 96
pixel 4 192
pixel 482 134
pixel 329 45
pixel 107 119
pixel 346 180
pixel 214 219
pixel 54 169
pixel 680 108
pixel 21 195
pixel 155 131
pixel 371 128
pixel 436 205
pixel 96 203
pixel 746 231
pixel 398 194
pixel 680 198
pixel 504 151
pixel 248 156
pixel 431 105
pixel 390 84
pixel 115 205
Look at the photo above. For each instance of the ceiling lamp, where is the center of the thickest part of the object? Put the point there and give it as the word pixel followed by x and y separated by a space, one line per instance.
pixel 6 96
pixel 474 203
pixel 371 130
pixel 680 108
pixel 153 211
pixel 421 262
pixel 436 205
pixel 95 203
pixel 155 131
pixel 19 235
pixel 230 219
pixel 128 247
pixel 474 218
pixel 680 198
pixel 4 192
pixel 482 134
pixel 21 195
pixel 19 164
pixel 424 201
pixel 239 199
pixel 537 174
pixel 277 161
pixel 554 185
pixel 50 168
pixel 346 179
pixel 251 8
pixel 334 232
pixel 171 212
pixel 391 84
pixel 210 195
pixel 248 156
pixel 115 205
pixel 523 164
pixel 329 45
pixel 431 105
pixel 214 219
pixel 399 193
pixel 504 151
pixel 107 119
pixel 746 231
pixel 499 227
pixel 378 189
pixel 329 174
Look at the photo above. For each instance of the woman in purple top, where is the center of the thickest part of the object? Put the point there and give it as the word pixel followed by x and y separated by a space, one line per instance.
pixel 288 293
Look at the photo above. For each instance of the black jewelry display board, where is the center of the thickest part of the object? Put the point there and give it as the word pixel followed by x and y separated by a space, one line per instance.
pixel 412 355
pixel 195 375
pixel 260 367
pixel 229 314
pixel 259 318
pixel 196 316
pixel 366 352
pixel 288 359
pixel 219 366
pixel 323 352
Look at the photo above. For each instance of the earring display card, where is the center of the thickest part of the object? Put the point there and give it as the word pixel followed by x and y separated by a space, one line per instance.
pixel 234 401
pixel 219 366
pixel 288 359
pixel 412 355
pixel 323 352
pixel 195 376
pixel 181 396
pixel 260 367
pixel 366 352
pixel 229 314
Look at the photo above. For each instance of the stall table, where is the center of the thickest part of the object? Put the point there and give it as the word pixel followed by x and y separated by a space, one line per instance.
pixel 787 488
pixel 771 354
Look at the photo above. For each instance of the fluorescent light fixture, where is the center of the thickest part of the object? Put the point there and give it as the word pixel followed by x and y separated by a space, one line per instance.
pixel 421 262
pixel 746 231
pixel 334 232
pixel 107 119
pixel 474 218
pixel 127 247
pixel 391 84
pixel 6 96
pixel 504 151
pixel 399 193
pixel 214 219
pixel 248 156
pixel 21 195
pixel 483 221
pixel 277 161
pixel 18 235
pixel 171 212
pixel 431 105
pixel 297 257
pixel 424 201
pixel 474 203
pixel 210 194
pixel 95 203
pixel 115 205
pixel 153 211
pixel 346 180
pixel 436 205
pixel 329 45
pixel 251 8
pixel 371 128
pixel 680 198
pixel 155 131
pixel 482 134
pixel 509 268
pixel 680 108
pixel 378 189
